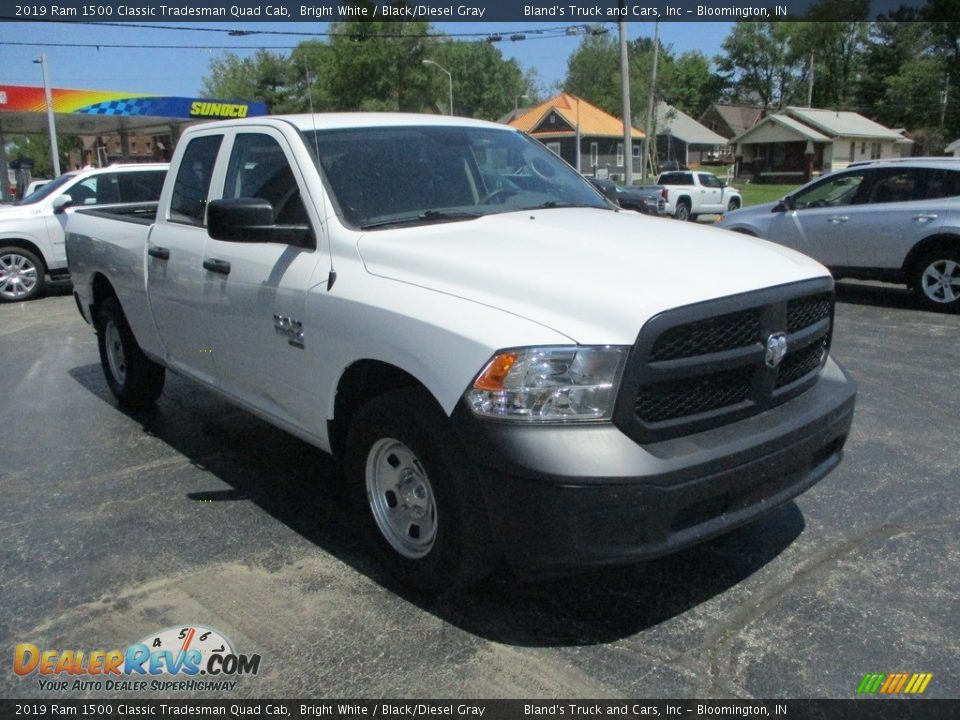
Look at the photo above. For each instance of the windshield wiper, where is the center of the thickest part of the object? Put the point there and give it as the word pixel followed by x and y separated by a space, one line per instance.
pixel 425 217
pixel 550 204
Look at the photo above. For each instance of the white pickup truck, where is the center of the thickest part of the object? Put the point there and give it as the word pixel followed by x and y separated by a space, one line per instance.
pixel 689 193
pixel 504 365
pixel 31 230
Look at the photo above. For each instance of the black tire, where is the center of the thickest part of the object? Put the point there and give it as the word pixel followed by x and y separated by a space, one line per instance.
pixel 936 280
pixel 22 274
pixel 134 379
pixel 734 204
pixel 407 431
pixel 683 211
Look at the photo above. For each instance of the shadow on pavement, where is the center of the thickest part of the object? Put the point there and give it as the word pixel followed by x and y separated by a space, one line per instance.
pixel 297 485
pixel 879 295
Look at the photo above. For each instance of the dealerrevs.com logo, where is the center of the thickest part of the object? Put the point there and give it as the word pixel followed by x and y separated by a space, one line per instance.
pixel 178 658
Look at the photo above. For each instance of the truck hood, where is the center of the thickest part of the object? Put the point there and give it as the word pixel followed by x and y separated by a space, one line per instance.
pixel 593 275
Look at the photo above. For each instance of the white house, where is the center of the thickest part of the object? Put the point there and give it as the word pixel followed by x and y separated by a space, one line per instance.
pixel 798 143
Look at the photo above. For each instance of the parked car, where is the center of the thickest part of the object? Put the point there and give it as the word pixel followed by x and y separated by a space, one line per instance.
pixel 892 221
pixel 31 229
pixel 647 200
pixel 32 187
pixel 689 194
pixel 504 366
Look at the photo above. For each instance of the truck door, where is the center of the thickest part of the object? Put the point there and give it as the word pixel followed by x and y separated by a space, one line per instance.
pixel 175 262
pixel 711 194
pixel 255 292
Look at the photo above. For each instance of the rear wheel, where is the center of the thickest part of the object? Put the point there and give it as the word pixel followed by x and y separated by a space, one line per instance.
pixel 683 211
pixel 936 280
pixel 134 379
pixel 418 495
pixel 21 274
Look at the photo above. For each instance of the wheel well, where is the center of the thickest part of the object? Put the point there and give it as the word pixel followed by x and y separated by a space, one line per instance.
pixel 744 231
pixel 25 245
pixel 934 242
pixel 102 289
pixel 684 199
pixel 359 384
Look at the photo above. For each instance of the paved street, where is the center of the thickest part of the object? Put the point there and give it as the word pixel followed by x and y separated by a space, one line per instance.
pixel 114 526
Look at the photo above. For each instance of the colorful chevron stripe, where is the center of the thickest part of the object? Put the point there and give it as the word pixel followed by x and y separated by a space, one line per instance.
pixel 894 683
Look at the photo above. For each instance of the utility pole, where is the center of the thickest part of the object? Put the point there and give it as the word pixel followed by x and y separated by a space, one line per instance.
pixel 653 91
pixel 810 83
pixel 625 90
pixel 943 101
pixel 54 151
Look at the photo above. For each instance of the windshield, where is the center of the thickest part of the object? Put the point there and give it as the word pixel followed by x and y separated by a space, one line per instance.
pixel 383 176
pixel 47 190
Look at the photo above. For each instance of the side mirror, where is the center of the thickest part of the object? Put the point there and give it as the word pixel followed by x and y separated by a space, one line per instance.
pixel 251 220
pixel 783 205
pixel 61 203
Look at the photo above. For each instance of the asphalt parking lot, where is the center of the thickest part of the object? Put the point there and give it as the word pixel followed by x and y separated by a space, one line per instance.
pixel 115 525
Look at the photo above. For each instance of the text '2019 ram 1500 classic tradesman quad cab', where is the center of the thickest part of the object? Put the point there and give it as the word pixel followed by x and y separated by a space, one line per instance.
pixel 504 365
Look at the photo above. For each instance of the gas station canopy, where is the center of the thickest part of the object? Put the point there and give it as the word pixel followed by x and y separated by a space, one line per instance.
pixel 100 112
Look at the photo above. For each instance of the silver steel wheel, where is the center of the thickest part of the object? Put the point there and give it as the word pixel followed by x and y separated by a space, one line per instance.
pixel 941 281
pixel 115 355
pixel 18 276
pixel 401 498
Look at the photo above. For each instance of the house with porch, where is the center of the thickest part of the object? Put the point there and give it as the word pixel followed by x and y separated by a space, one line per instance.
pixel 682 139
pixel 588 138
pixel 729 120
pixel 797 144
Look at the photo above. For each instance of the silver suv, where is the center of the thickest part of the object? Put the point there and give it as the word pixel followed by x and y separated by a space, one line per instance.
pixel 895 220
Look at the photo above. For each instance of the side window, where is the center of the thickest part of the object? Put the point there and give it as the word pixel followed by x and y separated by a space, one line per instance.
pixel 708 180
pixel 897 186
pixel 941 184
pixel 140 186
pixel 189 202
pixel 259 169
pixel 97 190
pixel 831 192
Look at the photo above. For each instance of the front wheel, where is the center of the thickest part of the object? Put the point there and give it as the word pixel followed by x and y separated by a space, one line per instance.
pixel 21 274
pixel 936 280
pixel 134 379
pixel 419 496
pixel 734 204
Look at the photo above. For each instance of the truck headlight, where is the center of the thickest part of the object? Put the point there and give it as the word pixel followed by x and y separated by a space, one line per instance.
pixel 549 384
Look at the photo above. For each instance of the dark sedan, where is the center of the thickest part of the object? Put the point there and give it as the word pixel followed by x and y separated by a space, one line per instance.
pixel 646 200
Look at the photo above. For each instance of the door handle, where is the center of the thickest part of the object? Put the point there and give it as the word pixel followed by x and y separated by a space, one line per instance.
pixel 838 219
pixel 161 253
pixel 924 218
pixel 217 266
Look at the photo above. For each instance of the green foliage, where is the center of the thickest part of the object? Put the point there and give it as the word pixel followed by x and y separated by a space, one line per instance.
pixel 762 64
pixel 376 66
pixel 37 148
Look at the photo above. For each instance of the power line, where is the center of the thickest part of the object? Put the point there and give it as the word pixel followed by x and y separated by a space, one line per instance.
pixel 556 31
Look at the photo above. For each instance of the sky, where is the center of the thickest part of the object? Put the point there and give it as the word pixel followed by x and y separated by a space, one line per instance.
pixel 179 71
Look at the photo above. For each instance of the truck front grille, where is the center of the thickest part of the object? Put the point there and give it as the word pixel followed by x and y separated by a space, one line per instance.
pixel 708 364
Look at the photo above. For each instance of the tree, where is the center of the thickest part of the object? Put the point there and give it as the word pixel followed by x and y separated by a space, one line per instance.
pixel 485 85
pixel 761 63
pixel 263 77
pixel 692 83
pixel 37 148
pixel 593 73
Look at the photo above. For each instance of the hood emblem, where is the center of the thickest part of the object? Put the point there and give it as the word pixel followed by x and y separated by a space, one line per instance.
pixel 776 349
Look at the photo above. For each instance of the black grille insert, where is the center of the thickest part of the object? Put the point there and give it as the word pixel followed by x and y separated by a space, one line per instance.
pixel 725 332
pixel 705 365
pixel 692 396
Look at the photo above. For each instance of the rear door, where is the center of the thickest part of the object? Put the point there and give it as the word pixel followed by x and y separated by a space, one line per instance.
pixel 175 272
pixel 255 300
pixel 905 206
pixel 711 193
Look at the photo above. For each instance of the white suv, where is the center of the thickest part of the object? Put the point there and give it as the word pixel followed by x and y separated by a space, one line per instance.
pixel 31 230
pixel 895 220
